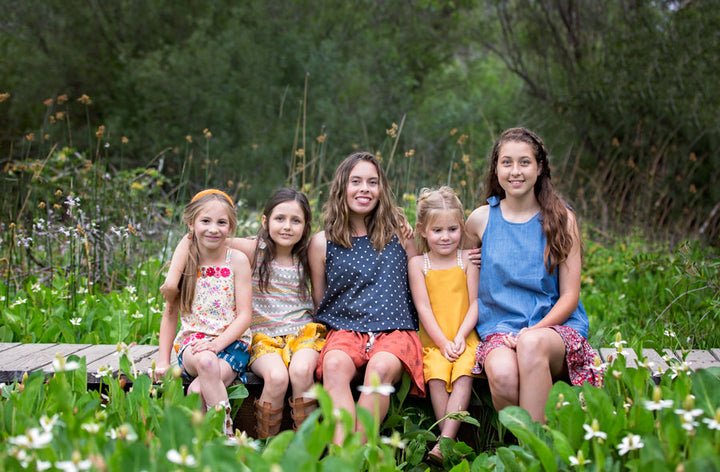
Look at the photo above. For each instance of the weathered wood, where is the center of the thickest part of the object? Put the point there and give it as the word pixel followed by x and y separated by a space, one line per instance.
pixel 698 359
pixel 608 354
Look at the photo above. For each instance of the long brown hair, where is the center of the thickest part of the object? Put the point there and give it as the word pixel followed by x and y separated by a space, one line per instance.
pixel 430 203
pixel 188 281
pixel 299 250
pixel 553 209
pixel 382 223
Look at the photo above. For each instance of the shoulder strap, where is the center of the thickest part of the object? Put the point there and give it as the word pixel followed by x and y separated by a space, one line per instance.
pixel 460 259
pixel 426 263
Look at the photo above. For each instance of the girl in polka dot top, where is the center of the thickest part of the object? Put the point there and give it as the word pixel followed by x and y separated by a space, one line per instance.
pixel 360 288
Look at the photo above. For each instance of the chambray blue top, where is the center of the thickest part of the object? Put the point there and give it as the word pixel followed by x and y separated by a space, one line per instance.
pixel 367 291
pixel 515 289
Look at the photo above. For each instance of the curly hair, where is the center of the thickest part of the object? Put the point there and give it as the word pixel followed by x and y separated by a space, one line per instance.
pixel 553 209
pixel 382 223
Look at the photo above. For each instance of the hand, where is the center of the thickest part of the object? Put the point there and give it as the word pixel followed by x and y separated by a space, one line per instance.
pixel 407 230
pixel 474 255
pixel 448 351
pixel 159 373
pixel 204 345
pixel 459 345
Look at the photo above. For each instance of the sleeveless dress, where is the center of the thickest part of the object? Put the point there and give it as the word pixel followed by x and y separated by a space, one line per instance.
pixel 449 299
pixel 213 308
pixel 516 291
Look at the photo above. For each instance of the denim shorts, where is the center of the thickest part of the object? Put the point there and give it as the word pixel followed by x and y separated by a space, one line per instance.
pixel 236 354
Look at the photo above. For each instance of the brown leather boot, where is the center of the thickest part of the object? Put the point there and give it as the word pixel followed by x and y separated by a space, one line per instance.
pixel 301 407
pixel 268 420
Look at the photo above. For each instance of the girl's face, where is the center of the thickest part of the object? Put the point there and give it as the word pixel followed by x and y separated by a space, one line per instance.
pixel 443 233
pixel 211 225
pixel 286 224
pixel 517 168
pixel 363 188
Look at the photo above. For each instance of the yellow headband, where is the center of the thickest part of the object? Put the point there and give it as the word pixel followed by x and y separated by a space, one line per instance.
pixel 211 191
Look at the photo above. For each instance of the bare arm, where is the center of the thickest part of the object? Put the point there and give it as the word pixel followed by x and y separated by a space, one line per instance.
pixel 418 288
pixel 474 229
pixel 471 317
pixel 316 257
pixel 168 330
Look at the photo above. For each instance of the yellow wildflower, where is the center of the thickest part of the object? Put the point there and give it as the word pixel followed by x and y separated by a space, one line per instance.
pixel 136 186
pixel 85 100
pixel 254 146
pixel 392 131
pixel 30 137
pixel 615 142
pixel 188 138
pixel 62 99
pixel 4 96
pixel 300 152
pixel 462 139
pixel 321 139
pixel 466 158
pixel 453 131
pixel 100 131
pixel 207 133
pixel 410 153
pixel 124 140
pixel 48 102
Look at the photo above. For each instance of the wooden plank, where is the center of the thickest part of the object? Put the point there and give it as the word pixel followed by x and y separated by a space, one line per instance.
pixel 716 353
pixel 655 362
pixel 698 359
pixel 32 357
pixel 6 346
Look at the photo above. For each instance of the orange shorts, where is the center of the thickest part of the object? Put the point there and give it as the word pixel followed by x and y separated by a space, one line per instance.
pixel 403 344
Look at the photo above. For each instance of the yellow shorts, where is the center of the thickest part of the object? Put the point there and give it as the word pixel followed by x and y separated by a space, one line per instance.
pixel 310 336
pixel 435 366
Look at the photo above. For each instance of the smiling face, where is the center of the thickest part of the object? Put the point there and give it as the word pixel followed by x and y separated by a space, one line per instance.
pixel 363 188
pixel 443 233
pixel 285 224
pixel 211 225
pixel 517 168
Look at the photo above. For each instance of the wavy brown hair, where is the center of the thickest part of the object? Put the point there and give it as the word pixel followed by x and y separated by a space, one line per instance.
pixel 299 250
pixel 553 209
pixel 188 281
pixel 430 203
pixel 382 223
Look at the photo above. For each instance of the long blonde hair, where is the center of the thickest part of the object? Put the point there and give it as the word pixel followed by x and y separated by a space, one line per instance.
pixel 552 208
pixel 430 203
pixel 382 223
pixel 188 281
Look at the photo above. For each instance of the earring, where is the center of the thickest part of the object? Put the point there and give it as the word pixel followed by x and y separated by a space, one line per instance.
pixel 190 236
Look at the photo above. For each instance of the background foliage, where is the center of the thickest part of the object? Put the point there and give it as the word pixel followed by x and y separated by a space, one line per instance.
pixel 249 95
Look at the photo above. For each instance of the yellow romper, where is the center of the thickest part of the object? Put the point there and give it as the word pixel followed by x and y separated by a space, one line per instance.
pixel 449 300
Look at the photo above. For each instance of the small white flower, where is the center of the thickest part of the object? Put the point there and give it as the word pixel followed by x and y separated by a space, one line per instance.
pixel 20 301
pixel 131 288
pixel 137 315
pixel 47 424
pixel 579 460
pixel 35 287
pixel 630 443
pixel 386 389
pixel 395 440
pixel 658 405
pixel 712 423
pixel 103 371
pixel 593 431
pixel 62 365
pixel 181 457
pixel 133 298
pixel 669 333
pixel 75 321
pixel 42 465
pixel 34 438
pixel 91 427
pixel 155 309
pixel 72 466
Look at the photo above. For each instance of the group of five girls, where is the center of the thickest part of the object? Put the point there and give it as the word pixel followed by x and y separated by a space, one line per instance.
pixel 346 301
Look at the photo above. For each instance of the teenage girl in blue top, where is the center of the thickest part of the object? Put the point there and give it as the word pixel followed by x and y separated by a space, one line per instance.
pixel 532 326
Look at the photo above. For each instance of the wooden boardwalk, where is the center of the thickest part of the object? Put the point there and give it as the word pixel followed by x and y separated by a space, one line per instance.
pixel 18 358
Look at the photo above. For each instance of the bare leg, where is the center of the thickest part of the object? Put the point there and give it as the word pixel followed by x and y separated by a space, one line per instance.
pixel 275 379
pixel 338 372
pixel 503 377
pixel 211 375
pixel 439 399
pixel 540 357
pixel 458 401
pixel 302 371
pixel 388 368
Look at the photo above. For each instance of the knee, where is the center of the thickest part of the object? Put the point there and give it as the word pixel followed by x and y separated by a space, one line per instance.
pixel 276 379
pixel 531 349
pixel 387 369
pixel 207 363
pixel 194 387
pixel 337 372
pixel 302 370
pixel 503 380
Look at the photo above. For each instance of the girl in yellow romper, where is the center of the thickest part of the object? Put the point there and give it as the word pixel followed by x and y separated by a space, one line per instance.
pixel 441 281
